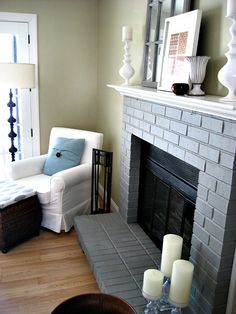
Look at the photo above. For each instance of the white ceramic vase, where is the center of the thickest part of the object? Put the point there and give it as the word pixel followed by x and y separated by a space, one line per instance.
pixel 197 72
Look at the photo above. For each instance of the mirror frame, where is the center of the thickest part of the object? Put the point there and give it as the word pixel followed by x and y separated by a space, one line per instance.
pixel 152 82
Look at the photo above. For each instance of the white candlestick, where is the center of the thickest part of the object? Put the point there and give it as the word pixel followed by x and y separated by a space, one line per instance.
pixel 227 74
pixel 181 283
pixel 231 7
pixel 171 251
pixel 126 71
pixel 152 283
pixel 127 33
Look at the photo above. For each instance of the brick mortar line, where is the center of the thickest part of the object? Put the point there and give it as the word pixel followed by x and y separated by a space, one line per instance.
pixel 220 133
pixel 120 254
pixel 142 244
pixel 104 229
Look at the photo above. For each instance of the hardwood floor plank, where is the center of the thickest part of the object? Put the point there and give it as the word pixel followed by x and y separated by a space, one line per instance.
pixel 41 273
pixel 40 269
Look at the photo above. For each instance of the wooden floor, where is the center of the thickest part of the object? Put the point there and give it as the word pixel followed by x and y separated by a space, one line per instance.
pixel 41 273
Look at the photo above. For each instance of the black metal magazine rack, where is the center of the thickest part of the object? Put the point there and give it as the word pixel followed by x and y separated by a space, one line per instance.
pixel 101 203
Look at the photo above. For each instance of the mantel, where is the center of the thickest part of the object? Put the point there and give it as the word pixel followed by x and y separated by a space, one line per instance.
pixel 206 104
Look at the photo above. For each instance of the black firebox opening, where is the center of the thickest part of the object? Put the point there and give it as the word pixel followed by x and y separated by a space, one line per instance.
pixel 167 196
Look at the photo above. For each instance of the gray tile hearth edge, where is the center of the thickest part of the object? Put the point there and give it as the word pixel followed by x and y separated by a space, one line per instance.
pixel 118 254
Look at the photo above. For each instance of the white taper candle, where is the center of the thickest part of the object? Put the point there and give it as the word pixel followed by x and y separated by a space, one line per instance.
pixel 152 283
pixel 127 33
pixel 171 251
pixel 181 283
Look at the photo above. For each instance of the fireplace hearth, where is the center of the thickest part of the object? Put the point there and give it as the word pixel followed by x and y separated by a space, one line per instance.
pixel 201 133
pixel 167 196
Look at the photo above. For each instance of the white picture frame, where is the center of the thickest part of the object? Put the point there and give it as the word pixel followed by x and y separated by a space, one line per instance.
pixel 180 39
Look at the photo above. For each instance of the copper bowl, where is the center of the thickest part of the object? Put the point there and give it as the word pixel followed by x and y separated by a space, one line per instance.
pixel 94 303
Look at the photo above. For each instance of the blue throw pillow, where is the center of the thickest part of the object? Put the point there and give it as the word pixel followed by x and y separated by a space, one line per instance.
pixel 66 153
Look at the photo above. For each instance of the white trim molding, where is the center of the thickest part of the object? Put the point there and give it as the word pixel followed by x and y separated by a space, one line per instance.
pixel 31 19
pixel 211 105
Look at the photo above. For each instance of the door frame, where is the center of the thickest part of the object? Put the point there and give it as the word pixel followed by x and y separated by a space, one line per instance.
pixel 31 19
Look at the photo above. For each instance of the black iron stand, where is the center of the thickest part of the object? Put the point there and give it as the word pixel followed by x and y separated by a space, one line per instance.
pixel 100 159
pixel 11 121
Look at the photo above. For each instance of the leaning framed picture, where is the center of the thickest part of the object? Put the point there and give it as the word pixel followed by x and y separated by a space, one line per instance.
pixel 180 39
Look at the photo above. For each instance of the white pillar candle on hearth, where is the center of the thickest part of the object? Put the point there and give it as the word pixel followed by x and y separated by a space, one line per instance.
pixel 181 283
pixel 231 7
pixel 152 283
pixel 171 251
pixel 127 33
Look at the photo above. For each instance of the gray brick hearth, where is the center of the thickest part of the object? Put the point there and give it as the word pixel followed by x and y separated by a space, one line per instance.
pixel 208 143
pixel 118 254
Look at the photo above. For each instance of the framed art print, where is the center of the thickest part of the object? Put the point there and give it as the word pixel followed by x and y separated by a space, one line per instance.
pixel 180 39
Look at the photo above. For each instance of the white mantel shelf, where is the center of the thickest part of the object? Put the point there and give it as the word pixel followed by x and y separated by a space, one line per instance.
pixel 206 104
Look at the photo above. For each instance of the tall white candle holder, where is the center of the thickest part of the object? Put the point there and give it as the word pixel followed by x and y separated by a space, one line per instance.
pixel 126 71
pixel 227 74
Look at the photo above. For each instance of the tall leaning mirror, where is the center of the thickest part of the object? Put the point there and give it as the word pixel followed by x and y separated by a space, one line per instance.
pixel 157 12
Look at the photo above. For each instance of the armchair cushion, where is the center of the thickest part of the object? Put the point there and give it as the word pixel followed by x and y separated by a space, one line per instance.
pixel 66 153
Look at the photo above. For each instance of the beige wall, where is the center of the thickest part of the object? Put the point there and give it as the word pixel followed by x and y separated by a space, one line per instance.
pixel 67 51
pixel 80 52
pixel 112 15
pixel 213 40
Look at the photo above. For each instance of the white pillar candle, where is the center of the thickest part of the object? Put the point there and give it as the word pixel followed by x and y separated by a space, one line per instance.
pixel 152 283
pixel 181 283
pixel 171 251
pixel 127 33
pixel 231 7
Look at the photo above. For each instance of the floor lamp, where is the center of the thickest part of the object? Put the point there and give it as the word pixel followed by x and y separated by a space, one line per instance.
pixel 15 75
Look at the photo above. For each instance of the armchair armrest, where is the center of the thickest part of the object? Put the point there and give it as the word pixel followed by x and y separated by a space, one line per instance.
pixel 27 167
pixel 70 177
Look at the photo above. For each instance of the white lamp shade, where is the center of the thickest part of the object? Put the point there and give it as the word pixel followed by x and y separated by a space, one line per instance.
pixel 18 75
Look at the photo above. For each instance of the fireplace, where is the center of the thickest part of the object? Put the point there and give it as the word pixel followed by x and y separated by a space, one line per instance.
pixel 201 132
pixel 167 196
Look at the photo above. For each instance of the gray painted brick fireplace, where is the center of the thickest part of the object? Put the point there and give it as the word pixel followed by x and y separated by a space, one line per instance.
pixel 206 141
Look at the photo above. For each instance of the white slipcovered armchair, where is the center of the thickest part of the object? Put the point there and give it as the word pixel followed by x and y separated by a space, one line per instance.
pixel 66 193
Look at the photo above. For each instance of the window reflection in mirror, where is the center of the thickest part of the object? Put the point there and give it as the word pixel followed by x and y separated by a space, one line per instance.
pixel 157 12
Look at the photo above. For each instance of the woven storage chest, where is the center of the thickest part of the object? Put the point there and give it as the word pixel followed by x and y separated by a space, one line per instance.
pixel 19 221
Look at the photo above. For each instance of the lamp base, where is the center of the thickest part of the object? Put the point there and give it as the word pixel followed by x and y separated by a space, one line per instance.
pixel 12 121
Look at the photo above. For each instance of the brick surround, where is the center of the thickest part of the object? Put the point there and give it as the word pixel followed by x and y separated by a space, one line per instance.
pixel 207 142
